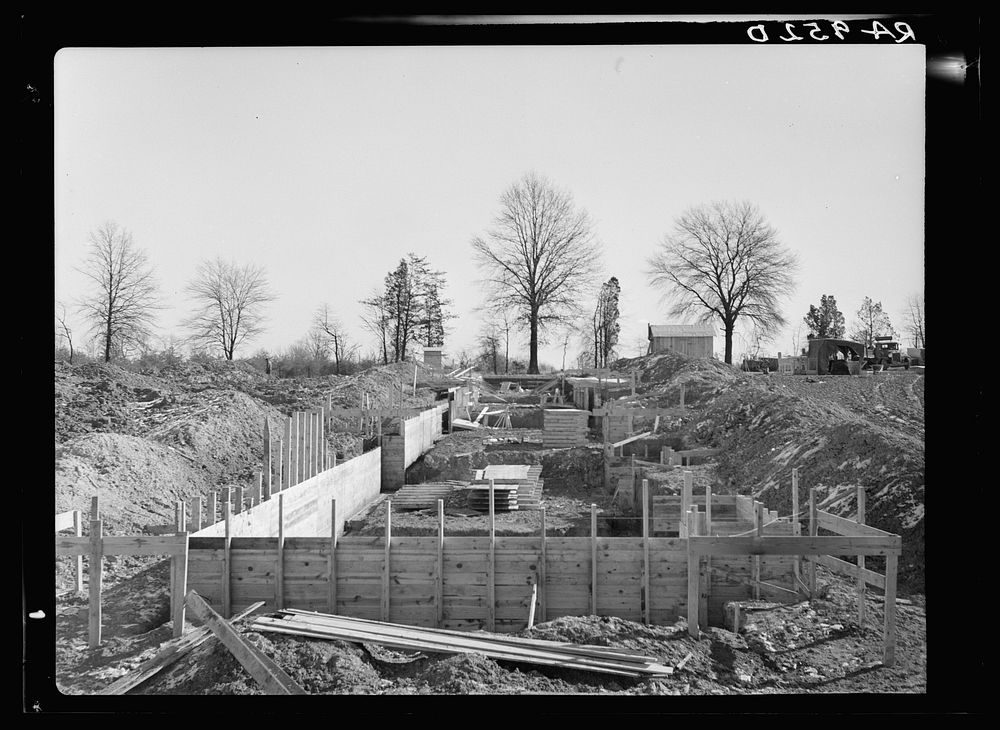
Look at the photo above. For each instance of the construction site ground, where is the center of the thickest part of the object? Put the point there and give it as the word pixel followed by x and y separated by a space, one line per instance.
pixel 142 441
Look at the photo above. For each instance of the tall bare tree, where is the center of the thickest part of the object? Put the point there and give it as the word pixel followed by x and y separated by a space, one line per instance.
pixel 915 321
pixel 330 327
pixel 872 321
pixel 539 257
pixel 724 262
pixel 122 306
pixel 230 301
pixel 62 328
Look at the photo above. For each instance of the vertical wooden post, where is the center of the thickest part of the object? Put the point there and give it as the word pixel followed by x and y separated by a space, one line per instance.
pixel 385 561
pixel 633 381
pixel 196 513
pixel 324 459
pixel 861 560
pixel 307 449
pixel 889 628
pixel 78 531
pixel 178 591
pixel 414 378
pixel 96 568
pixel 332 566
pixel 491 566
pixel 239 499
pixel 796 527
pixel 227 498
pixel 281 469
pixel 268 447
pixel 632 482
pixel 439 578
pixel 694 574
pixel 212 512
pixel 645 552
pixel 178 516
pixel 593 559
pixel 541 571
pixel 279 566
pixel 758 520
pixel 813 529
pixel 288 454
pixel 293 449
pixel 706 582
pixel 316 463
pixel 686 500
pixel 227 603
pixel 258 495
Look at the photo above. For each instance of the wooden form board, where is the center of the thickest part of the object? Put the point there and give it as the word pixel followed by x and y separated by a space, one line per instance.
pixel 565 577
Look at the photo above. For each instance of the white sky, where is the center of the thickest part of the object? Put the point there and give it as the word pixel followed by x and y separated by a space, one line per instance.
pixel 327 165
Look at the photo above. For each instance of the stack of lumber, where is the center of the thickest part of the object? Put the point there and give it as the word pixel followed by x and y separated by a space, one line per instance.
pixel 564 427
pixel 504 498
pixel 502 647
pixel 421 496
pixel 525 476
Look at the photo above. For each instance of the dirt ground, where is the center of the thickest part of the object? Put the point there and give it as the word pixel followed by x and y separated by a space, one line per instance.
pixel 143 440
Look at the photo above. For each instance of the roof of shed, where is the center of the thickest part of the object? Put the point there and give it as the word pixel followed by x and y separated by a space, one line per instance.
pixel 681 330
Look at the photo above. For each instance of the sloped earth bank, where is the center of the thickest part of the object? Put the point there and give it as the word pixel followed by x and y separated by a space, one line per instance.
pixel 812 646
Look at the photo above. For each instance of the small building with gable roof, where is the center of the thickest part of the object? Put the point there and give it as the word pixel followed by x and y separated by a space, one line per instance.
pixel 693 340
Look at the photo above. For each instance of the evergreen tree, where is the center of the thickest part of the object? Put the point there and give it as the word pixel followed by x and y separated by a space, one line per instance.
pixel 825 320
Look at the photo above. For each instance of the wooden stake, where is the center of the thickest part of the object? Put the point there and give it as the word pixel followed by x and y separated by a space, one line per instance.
pixel 332 566
pixel 694 575
pixel 385 560
pixel 861 560
pixel 813 531
pixel 593 559
pixel 78 531
pixel 531 607
pixel 541 570
pixel 178 568
pixel 258 496
pixel 280 475
pixel 96 567
pixel 266 484
pixel 279 583
pixel 439 577
pixel 239 499
pixel 289 472
pixel 227 498
pixel 686 498
pixel 227 562
pixel 796 526
pixel 889 628
pixel 196 513
pixel 491 566
pixel 645 552
pixel 706 584
pixel 212 512
pixel 414 378
pixel 758 518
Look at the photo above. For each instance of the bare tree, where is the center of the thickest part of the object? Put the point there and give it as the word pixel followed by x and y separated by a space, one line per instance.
pixel 724 262
pixel 376 319
pixel 230 301
pixel 122 307
pixel 63 330
pixel 539 256
pixel 872 321
pixel 915 321
pixel 330 327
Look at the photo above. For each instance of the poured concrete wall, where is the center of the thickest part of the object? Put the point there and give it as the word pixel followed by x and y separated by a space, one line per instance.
pixel 354 484
pixel 417 437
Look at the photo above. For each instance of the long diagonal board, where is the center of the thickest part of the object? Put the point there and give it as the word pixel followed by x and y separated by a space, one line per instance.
pixel 531 651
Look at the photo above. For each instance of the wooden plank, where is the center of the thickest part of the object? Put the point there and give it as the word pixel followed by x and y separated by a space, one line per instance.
pixel 384 603
pixel 813 532
pixel 491 564
pixel 227 511
pixel 860 584
pixel 593 559
pixel 842 567
pixel 439 573
pixel 889 608
pixel 95 566
pixel 823 545
pixel 279 567
pixel 169 653
pixel 272 678
pixel 211 514
pixel 178 590
pixel 796 525
pixel 646 595
pixel 693 591
pixel 844 526
pixel 332 563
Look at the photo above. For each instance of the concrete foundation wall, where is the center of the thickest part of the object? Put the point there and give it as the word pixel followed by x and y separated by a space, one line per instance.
pixel 417 436
pixel 354 484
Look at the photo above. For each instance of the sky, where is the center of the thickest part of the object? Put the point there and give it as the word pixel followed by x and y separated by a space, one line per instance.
pixel 326 166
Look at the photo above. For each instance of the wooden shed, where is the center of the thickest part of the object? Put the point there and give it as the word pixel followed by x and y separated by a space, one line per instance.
pixel 693 340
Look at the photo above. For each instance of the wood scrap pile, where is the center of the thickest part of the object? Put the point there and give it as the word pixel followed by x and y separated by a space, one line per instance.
pixel 421 496
pixel 604 659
